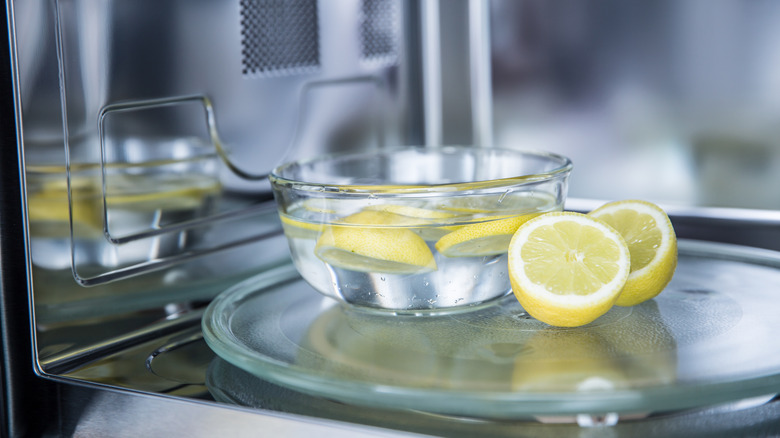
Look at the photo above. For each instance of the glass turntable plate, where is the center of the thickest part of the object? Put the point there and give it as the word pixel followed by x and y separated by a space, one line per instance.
pixel 709 338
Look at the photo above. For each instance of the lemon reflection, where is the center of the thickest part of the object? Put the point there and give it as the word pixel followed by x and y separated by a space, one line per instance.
pixel 632 353
pixel 442 352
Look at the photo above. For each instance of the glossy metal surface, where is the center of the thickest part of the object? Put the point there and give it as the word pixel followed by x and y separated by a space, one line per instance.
pixel 106 413
pixel 109 413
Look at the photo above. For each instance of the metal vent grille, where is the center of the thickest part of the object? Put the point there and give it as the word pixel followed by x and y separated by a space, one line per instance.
pixel 279 37
pixel 379 30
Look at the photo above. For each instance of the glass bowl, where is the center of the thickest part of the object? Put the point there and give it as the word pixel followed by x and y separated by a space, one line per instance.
pixel 413 229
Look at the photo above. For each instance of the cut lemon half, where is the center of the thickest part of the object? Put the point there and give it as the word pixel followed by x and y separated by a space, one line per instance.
pixel 566 268
pixel 653 245
pixel 374 241
pixel 482 239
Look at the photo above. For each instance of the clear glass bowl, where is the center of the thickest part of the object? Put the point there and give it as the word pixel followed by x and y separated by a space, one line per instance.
pixel 413 229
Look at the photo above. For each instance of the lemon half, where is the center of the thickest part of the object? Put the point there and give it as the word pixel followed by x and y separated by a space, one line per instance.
pixel 374 241
pixel 652 242
pixel 566 268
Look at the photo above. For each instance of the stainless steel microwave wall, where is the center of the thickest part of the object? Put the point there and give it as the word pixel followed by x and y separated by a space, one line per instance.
pixel 137 136
pixel 149 132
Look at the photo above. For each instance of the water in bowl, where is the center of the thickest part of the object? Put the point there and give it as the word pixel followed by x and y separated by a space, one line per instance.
pixel 423 256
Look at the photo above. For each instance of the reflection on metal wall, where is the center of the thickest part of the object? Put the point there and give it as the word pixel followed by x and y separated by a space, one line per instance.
pixel 149 132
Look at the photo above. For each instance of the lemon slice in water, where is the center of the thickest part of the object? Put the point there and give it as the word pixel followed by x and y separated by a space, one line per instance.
pixel 374 241
pixel 482 239
pixel 300 229
pixel 652 242
pixel 566 268
pixel 426 222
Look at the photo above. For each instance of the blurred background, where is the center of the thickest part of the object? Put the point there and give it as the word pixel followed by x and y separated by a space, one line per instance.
pixel 673 101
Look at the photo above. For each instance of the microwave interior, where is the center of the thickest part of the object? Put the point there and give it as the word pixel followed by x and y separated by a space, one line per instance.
pixel 145 132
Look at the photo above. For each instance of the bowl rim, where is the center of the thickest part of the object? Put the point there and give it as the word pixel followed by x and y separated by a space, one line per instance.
pixel 276 179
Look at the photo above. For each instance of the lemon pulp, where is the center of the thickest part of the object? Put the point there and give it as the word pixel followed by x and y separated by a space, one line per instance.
pixel 564 257
pixel 567 269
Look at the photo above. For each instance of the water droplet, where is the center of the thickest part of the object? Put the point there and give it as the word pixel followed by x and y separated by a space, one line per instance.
pixel 382 278
pixel 458 300
pixel 426 283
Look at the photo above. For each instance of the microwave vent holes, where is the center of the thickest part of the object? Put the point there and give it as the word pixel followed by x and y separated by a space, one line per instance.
pixel 379 31
pixel 279 38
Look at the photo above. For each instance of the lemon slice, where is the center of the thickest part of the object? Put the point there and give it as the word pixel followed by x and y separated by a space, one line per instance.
pixel 424 221
pixel 373 241
pixel 566 268
pixel 485 238
pixel 296 228
pixel 653 245
pixel 49 212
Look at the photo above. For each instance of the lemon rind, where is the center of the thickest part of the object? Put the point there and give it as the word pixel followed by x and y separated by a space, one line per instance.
pixel 649 281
